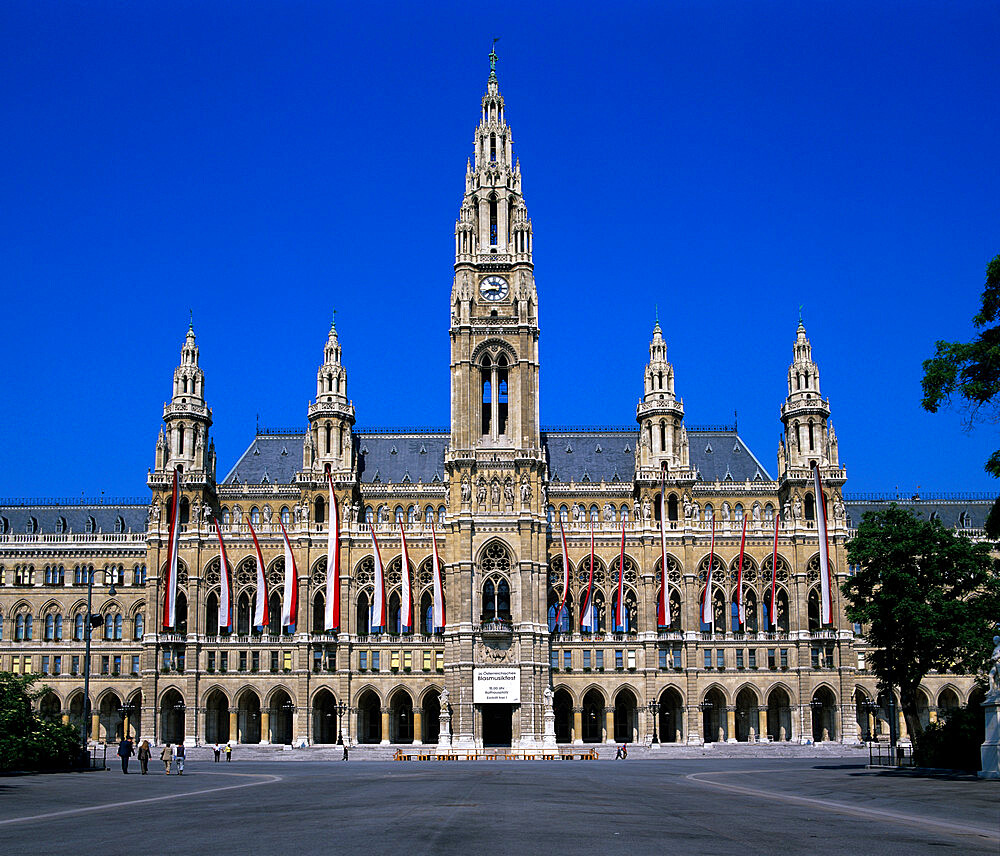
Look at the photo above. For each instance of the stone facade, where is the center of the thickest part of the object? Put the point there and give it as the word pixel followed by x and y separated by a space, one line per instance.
pixel 502 492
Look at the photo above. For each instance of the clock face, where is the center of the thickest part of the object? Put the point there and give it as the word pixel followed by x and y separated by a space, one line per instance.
pixel 494 288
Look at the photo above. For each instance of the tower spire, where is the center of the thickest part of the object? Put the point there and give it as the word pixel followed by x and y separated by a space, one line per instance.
pixel 660 414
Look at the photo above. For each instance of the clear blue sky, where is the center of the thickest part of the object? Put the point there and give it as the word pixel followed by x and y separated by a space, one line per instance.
pixel 265 162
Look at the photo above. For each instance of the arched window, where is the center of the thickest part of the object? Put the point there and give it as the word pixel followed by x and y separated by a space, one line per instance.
pixel 19 628
pixel 59 628
pixel 427 614
pixel 185 508
pixel 78 627
pixel 398 514
pixel 274 614
pixel 255 516
pixel 428 515
pixel 212 614
pixel 119 524
pixel 139 625
pixel 810 507
pixel 441 515
pixel 563 514
pixel 394 615
pixel 60 524
pixel 319 514
pixel 50 627
pixel 243 612
pixel 369 515
pixel 672 507
pixel 29 623
pixel 286 517
pixel 625 514
pixel 769 513
pixel 709 512
pixel 319 613
pixel 226 517
pixel 411 515
pixel 738 513
pixel 109 626
pixel 364 614
pixel 550 514
pixel 118 627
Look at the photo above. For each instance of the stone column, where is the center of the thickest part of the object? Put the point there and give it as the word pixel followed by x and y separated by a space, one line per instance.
pixel 762 724
pixel 385 726
pixel 577 735
pixel 234 725
pixel 730 725
pixel 65 719
pixel 609 725
pixel 989 752
pixel 932 715
pixel 265 728
pixel 418 726
pixel 125 724
pixel 444 725
pixel 903 733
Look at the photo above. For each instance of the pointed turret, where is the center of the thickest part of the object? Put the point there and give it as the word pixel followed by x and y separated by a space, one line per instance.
pixel 183 440
pixel 331 417
pixel 660 414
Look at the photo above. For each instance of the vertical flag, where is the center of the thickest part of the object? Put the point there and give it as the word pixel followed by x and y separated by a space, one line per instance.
pixel 290 602
pixel 663 604
pixel 173 547
pixel 406 617
pixel 439 622
pixel 565 576
pixel 706 597
pixel 741 609
pixel 332 616
pixel 620 604
pixel 260 608
pixel 226 587
pixel 825 581
pixel 587 608
pixel 774 573
pixel 378 599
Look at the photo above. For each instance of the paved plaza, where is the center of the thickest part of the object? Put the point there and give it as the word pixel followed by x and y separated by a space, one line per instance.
pixel 714 806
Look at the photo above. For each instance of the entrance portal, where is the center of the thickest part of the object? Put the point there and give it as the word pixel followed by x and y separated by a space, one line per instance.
pixel 497 728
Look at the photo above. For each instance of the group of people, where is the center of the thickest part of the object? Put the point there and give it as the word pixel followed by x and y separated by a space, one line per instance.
pixel 170 755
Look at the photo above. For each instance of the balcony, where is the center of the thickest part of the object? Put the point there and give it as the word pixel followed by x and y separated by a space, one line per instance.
pixel 496 628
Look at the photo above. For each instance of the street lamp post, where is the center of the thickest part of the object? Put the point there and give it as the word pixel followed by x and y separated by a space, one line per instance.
pixel 88 629
pixel 653 707
pixel 341 710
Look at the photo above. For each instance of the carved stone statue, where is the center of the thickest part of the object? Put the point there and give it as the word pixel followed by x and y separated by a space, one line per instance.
pixel 305 513
pixel 447 494
pixel 786 513
pixel 481 492
pixel 267 514
pixel 647 509
pixel 636 510
pixel 797 507
pixel 548 695
pixel 755 513
pixel 466 490
pixel 994 675
pixel 688 508
pixel 206 513
pixel 609 511
pixel 237 515
pixel 525 490
pixel 495 492
pixel 508 495
pixel 154 513
pixel 725 512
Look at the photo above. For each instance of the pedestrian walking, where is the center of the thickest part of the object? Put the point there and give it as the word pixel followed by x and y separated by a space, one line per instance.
pixel 179 758
pixel 229 753
pixel 125 752
pixel 624 751
pixel 217 749
pixel 618 753
pixel 143 756
pixel 166 756
pixel 345 752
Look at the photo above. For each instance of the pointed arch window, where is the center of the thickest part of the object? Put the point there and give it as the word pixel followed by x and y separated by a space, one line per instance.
pixel 59 628
pixel 139 625
pixel 364 614
pixel 50 627
pixel 78 627
pixel 494 235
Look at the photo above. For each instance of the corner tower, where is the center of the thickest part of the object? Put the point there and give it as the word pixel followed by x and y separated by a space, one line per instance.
pixel 328 442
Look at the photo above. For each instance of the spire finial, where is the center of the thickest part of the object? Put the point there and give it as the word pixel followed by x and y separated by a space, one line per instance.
pixel 191 321
pixel 800 313
pixel 493 59
pixel 333 322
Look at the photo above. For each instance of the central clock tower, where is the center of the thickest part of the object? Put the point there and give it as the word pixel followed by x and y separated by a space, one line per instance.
pixel 495 466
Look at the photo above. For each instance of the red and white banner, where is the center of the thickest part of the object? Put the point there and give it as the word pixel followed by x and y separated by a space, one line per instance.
pixel 741 609
pixel 663 604
pixel 290 601
pixel 825 579
pixel 706 596
pixel 378 598
pixel 332 614
pixel 565 578
pixel 620 602
pixel 173 548
pixel 225 587
pixel 406 612
pixel 260 607
pixel 587 612
pixel 439 618
pixel 774 572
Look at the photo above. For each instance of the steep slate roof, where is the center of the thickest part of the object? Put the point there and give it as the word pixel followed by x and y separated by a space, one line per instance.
pixel 948 508
pixel 577 454
pixel 47 512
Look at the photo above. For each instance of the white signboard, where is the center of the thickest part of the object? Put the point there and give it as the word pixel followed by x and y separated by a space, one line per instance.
pixel 496 686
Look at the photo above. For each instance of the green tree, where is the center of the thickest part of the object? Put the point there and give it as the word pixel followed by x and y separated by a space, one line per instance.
pixel 971 370
pixel 26 741
pixel 927 599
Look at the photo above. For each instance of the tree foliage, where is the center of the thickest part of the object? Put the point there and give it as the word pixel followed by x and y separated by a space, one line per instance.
pixel 927 598
pixel 28 742
pixel 971 370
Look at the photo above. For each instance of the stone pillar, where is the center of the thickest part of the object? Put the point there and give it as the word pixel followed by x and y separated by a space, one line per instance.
pixel 444 725
pixel 65 719
pixel 549 736
pixel 265 728
pixel 903 733
pixel 418 726
pixel 609 725
pixel 385 726
pixel 730 725
pixel 233 725
pixel 762 724
pixel 989 752
pixel 95 727
pixel 125 725
pixel 932 715
pixel 577 735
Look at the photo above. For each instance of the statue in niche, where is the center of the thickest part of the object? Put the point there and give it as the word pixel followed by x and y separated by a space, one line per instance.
pixel 609 511
pixel 755 513
pixel 797 507
pixel 508 495
pixel 525 490
pixel 237 515
pixel 267 514
pixel 206 513
pixel 466 489
pixel 481 492
pixel 447 493
pixel 786 513
pixel 725 512
pixel 495 493
pixel 647 510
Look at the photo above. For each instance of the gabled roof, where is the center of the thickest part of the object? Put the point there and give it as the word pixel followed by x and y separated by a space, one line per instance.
pixel 954 510
pixel 76 514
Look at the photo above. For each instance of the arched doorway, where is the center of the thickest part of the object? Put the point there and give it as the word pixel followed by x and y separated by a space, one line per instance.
pixel 779 715
pixel 746 715
pixel 863 706
pixel 49 707
pixel 369 718
pixel 824 715
pixel 76 711
pixel 626 717
pixel 671 724
pixel 431 725
pixel 400 717
pixel 593 717
pixel 171 717
pixel 133 714
pixel 280 718
pixel 216 717
pixel 562 706
pixel 324 715
pixel 248 717
pixel 713 717
pixel 110 728
pixel 948 703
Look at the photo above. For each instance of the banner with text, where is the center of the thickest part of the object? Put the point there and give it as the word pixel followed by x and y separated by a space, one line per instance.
pixel 496 686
